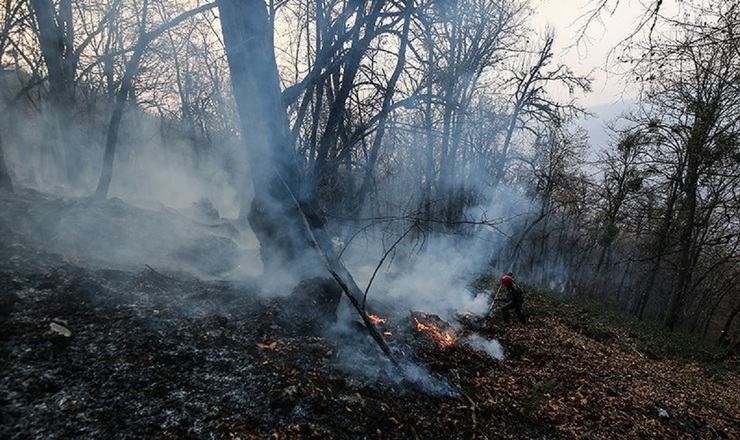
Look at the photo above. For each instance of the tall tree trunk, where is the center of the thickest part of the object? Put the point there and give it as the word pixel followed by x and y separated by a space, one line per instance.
pixel 274 219
pixel 705 119
pixel 5 181
pixel 451 98
pixel 429 167
pixel 368 181
pixel 324 168
pixel 111 141
pixel 126 88
pixel 724 337
pixel 56 34
pixel 660 249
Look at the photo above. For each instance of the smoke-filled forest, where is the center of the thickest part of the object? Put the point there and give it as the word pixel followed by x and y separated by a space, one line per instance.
pixel 356 158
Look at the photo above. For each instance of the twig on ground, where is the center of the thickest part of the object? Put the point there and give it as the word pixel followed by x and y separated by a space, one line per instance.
pixel 159 274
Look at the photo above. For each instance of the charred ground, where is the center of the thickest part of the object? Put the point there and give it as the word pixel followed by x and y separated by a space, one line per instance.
pixel 96 350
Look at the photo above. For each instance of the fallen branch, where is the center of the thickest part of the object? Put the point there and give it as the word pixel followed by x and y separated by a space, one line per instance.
pixel 473 406
pixel 159 274
pixel 493 302
pixel 380 263
pixel 341 275
pixel 473 409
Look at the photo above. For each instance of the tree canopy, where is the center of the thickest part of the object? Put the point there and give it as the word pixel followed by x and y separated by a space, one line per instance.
pixel 396 123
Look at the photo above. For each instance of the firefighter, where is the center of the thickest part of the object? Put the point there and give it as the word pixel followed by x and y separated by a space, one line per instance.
pixel 515 299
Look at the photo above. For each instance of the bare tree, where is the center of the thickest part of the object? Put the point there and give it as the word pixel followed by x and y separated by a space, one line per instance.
pixel 383 116
pixel 691 112
pixel 126 88
pixel 555 176
pixel 15 23
pixel 530 98
pixel 281 215
pixel 5 181
pixel 10 16
pixel 456 48
pixel 13 15
pixel 622 177
pixel 247 33
pixel 56 37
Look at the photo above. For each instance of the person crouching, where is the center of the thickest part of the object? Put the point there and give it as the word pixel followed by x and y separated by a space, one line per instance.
pixel 515 299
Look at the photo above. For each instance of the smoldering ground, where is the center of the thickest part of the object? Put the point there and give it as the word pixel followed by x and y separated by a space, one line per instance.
pixel 173 216
pixel 98 344
pixel 170 324
pixel 168 235
pixel 136 351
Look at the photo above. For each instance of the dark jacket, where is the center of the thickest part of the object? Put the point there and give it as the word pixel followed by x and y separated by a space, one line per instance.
pixel 515 293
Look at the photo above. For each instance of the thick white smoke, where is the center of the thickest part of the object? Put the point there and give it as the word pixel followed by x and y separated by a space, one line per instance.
pixel 490 346
pixel 434 279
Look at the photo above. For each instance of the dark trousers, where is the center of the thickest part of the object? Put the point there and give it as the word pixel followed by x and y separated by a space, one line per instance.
pixel 516 306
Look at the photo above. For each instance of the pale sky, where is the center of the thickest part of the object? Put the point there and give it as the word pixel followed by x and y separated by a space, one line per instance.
pixel 593 51
pixel 593 54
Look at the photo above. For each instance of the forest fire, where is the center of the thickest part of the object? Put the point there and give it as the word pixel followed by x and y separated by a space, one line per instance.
pixel 375 319
pixel 175 356
pixel 432 327
pixel 381 323
pixel 440 333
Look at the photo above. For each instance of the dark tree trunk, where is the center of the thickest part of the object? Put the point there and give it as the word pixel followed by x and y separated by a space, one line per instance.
pixel 724 336
pixel 111 140
pixel 5 182
pixel 660 249
pixel 273 216
pixel 705 119
pixel 126 92
pixel 325 168
pixel 428 194
pixel 56 35
pixel 368 181
pixel 686 240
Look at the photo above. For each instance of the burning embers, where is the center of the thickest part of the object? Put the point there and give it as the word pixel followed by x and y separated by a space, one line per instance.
pixel 420 325
pixel 434 328
pixel 381 323
pixel 375 319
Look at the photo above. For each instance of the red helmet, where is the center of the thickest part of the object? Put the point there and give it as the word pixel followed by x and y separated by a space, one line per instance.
pixel 506 280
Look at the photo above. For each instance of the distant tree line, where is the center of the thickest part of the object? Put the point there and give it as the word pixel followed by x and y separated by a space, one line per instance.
pixel 73 70
pixel 437 116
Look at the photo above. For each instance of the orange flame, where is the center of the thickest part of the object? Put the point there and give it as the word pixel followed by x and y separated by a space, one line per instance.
pixel 376 319
pixel 443 339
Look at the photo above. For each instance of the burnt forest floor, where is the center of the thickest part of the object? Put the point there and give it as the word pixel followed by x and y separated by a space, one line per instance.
pixel 90 349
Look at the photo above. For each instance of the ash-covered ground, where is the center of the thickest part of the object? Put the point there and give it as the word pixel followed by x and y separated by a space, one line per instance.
pixel 121 321
pixel 101 338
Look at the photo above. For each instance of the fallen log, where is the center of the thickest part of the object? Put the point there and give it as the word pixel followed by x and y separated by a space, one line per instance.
pixel 321 241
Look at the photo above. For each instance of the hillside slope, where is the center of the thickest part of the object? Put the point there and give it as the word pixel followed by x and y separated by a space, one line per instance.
pixel 573 370
pixel 100 352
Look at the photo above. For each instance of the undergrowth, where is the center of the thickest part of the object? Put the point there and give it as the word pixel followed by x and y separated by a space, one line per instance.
pixel 593 320
pixel 648 336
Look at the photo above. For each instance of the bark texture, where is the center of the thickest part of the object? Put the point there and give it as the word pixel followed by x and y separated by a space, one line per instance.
pixel 272 215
